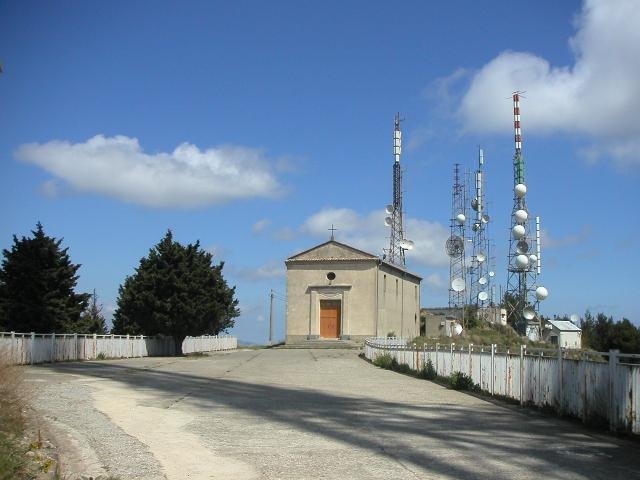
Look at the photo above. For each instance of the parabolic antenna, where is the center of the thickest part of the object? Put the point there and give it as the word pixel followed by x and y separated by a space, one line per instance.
pixel 454 246
pixel 457 329
pixel 475 227
pixel 474 204
pixel 541 293
pixel 574 318
pixel 522 262
pixel 482 280
pixel 482 296
pixel 521 216
pixel 461 218
pixel 528 313
pixel 481 257
pixel 533 258
pixel 485 218
pixel 520 190
pixel 387 221
pixel 389 209
pixel 522 247
pixel 457 284
pixel 518 231
pixel 492 273
pixel 406 244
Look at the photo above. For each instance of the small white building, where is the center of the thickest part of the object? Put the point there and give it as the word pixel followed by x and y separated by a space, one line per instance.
pixel 563 333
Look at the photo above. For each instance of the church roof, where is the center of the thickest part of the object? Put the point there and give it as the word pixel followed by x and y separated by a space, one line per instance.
pixel 334 251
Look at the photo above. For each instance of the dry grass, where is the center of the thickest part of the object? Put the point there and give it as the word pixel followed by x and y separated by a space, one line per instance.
pixel 13 463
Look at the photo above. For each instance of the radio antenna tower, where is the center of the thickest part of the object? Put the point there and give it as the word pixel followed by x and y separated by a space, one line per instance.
pixel 455 246
pixel 397 243
pixel 480 273
pixel 522 295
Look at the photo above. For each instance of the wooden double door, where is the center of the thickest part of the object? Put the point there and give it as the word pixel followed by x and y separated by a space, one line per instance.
pixel 330 313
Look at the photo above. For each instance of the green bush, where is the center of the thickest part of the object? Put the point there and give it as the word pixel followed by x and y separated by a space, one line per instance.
pixel 403 368
pixel 428 372
pixel 385 361
pixel 461 381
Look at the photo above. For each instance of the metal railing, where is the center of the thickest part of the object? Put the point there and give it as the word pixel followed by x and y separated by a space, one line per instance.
pixel 593 386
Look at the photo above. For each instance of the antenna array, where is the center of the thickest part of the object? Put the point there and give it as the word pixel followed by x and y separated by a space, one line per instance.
pixel 522 295
pixel 455 245
pixel 480 273
pixel 397 243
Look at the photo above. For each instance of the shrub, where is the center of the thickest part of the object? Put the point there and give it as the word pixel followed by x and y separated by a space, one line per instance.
pixel 391 335
pixel 403 368
pixel 385 361
pixel 461 381
pixel 101 356
pixel 428 372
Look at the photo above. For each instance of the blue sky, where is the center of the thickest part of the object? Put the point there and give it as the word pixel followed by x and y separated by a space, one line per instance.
pixel 252 126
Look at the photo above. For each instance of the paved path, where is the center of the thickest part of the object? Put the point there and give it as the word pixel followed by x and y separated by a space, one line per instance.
pixel 302 414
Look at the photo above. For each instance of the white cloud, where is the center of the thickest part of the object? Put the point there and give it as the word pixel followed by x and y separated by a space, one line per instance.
pixel 598 95
pixel 549 241
pixel 187 177
pixel 369 233
pixel 50 188
pixel 435 281
pixel 260 225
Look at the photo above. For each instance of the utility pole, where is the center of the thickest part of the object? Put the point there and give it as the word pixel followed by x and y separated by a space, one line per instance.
pixel 272 295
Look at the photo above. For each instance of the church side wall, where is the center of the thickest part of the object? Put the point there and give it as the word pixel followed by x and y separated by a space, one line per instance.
pixel 399 305
pixel 354 285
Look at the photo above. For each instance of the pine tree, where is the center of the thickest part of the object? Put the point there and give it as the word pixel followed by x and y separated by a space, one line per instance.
pixel 92 320
pixel 175 291
pixel 37 282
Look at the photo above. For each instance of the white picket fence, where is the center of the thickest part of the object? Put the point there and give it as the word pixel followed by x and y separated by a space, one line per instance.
pixel 30 348
pixel 600 386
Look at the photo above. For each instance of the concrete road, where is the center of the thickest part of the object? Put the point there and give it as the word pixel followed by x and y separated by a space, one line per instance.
pixel 302 414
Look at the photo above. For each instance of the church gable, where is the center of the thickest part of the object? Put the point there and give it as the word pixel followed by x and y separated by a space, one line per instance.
pixel 332 250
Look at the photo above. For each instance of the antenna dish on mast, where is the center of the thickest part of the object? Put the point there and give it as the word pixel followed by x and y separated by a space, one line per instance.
pixel 521 216
pixel 457 284
pixel 483 296
pixel 481 257
pixel 528 313
pixel 520 190
pixel 389 209
pixel 485 218
pixel 454 246
pixel 406 244
pixel 461 218
pixel 388 221
pixel 518 231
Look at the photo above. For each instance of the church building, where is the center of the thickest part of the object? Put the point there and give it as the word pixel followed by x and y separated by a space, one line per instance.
pixel 335 291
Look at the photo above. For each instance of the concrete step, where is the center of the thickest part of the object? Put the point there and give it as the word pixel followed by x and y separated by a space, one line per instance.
pixel 321 344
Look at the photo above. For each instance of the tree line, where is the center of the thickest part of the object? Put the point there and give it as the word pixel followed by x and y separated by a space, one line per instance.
pixel 176 290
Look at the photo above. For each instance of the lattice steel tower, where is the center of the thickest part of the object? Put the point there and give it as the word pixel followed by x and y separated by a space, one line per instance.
pixel 522 294
pixel 455 246
pixel 397 243
pixel 480 274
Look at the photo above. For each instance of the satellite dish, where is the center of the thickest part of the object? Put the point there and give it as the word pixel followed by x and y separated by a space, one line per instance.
pixel 522 262
pixel 521 216
pixel 485 218
pixel 492 273
pixel 533 258
pixel 475 227
pixel 518 231
pixel 482 281
pixel 461 218
pixel 522 247
pixel 481 257
pixel 454 246
pixel 528 313
pixel 483 296
pixel 388 221
pixel 574 318
pixel 389 209
pixel 457 284
pixel 541 293
pixel 520 190
pixel 457 329
pixel 406 244
pixel 474 204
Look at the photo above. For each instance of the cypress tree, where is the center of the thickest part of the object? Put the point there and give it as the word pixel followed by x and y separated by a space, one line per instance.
pixel 37 282
pixel 176 291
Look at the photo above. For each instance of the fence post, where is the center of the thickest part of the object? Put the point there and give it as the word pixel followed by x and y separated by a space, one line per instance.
pixel 561 381
pixel 33 345
pixel 493 357
pixel 437 351
pixel 613 373
pixel 53 347
pixel 522 347
pixel 75 341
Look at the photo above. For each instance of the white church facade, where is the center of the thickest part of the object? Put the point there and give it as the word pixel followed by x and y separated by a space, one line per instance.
pixel 335 291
